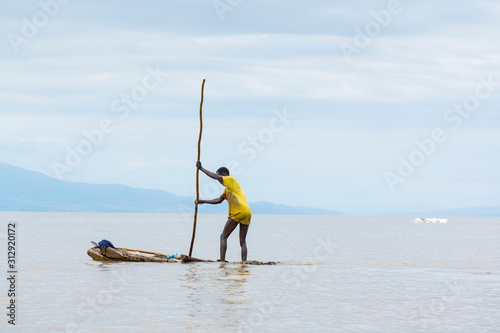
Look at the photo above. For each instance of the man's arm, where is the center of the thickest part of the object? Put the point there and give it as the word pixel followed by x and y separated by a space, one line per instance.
pixel 212 202
pixel 209 173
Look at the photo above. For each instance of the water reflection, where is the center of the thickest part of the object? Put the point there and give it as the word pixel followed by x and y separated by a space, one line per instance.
pixel 233 283
pixel 219 290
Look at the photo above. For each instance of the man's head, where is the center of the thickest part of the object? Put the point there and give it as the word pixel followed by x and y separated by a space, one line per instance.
pixel 223 171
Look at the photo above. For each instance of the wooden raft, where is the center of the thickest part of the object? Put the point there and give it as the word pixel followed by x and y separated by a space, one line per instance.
pixel 185 258
pixel 122 254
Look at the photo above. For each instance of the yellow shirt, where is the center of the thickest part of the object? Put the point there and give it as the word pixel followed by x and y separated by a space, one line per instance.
pixel 239 210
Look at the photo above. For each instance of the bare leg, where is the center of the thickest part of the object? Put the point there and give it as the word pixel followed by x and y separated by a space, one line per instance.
pixel 243 241
pixel 228 229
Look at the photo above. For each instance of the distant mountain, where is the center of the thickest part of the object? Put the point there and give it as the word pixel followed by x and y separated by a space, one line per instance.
pixel 472 211
pixel 263 207
pixel 420 210
pixel 23 190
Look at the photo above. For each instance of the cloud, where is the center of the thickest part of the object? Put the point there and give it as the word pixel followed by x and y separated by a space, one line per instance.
pixel 353 119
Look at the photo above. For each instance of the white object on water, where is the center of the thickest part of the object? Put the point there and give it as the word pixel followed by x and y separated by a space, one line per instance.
pixel 430 220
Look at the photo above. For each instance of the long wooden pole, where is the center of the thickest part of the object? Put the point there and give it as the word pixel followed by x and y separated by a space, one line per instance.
pixel 197 173
pixel 148 252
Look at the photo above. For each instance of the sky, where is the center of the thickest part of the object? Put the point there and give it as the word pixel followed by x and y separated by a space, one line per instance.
pixel 357 106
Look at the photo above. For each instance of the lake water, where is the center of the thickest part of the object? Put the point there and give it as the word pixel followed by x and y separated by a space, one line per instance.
pixel 336 274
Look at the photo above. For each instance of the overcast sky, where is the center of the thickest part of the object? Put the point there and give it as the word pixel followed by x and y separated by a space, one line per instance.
pixel 359 106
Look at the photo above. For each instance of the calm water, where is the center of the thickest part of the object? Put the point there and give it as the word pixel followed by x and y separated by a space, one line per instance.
pixel 337 274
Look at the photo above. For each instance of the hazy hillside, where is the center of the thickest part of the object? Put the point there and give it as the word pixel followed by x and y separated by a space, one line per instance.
pixel 22 190
pixel 473 211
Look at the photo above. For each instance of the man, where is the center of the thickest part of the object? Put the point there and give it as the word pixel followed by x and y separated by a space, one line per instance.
pixel 239 211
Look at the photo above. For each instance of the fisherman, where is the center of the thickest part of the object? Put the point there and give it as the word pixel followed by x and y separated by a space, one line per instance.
pixel 239 210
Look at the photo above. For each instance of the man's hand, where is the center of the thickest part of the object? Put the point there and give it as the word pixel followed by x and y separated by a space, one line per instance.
pixel 212 202
pixel 209 173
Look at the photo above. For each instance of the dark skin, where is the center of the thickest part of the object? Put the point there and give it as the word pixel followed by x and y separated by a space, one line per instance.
pixel 230 224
